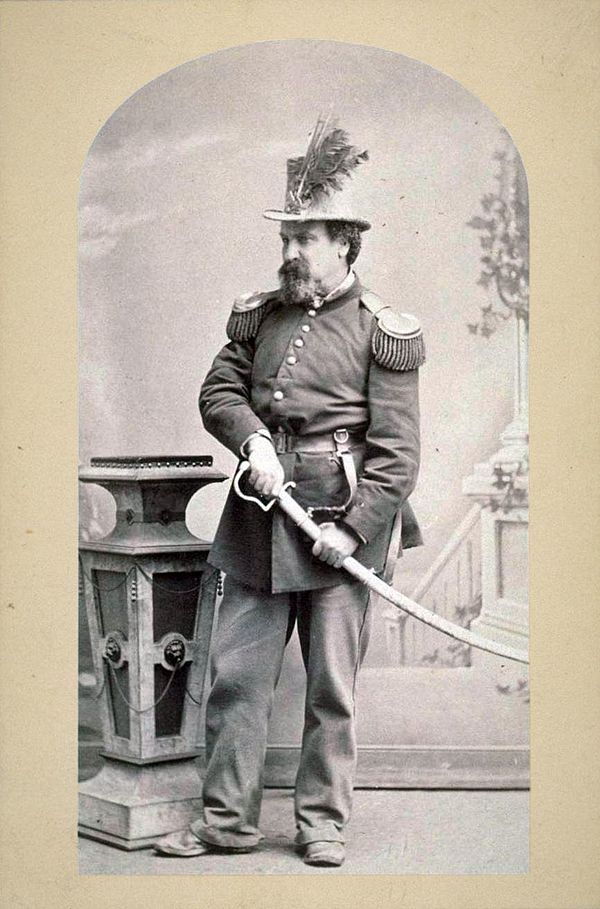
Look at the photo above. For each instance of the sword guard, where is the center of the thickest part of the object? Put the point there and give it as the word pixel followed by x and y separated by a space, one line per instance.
pixel 244 466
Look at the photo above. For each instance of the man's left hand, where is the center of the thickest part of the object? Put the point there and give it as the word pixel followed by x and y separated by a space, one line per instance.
pixel 335 544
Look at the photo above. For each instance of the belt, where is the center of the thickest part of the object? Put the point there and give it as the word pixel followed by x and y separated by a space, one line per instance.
pixel 286 442
pixel 337 442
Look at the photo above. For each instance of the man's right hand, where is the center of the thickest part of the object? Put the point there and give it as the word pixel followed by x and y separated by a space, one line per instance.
pixel 266 473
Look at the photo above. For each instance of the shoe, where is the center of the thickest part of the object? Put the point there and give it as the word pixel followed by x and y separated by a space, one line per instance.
pixel 185 843
pixel 182 842
pixel 322 853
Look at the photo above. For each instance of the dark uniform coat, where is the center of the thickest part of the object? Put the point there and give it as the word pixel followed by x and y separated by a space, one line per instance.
pixel 309 375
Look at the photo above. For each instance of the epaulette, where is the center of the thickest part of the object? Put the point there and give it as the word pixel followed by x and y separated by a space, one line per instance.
pixel 246 315
pixel 397 341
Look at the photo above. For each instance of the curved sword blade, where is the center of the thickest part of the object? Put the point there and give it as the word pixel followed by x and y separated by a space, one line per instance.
pixel 389 593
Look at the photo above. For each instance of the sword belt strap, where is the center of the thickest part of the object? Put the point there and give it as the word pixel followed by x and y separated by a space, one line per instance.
pixel 343 450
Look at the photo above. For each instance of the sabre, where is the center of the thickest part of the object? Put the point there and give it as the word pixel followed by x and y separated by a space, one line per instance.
pixel 368 577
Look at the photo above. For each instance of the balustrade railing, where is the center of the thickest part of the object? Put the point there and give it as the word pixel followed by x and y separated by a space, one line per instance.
pixel 451 588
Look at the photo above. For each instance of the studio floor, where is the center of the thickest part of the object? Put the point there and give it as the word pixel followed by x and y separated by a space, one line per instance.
pixel 392 832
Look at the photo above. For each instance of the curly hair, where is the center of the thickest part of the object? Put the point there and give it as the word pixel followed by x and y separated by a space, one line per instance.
pixel 350 233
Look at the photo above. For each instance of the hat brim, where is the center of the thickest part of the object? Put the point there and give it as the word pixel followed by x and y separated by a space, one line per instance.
pixel 273 214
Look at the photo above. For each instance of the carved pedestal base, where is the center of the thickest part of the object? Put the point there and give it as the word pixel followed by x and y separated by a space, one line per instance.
pixel 150 599
pixel 131 806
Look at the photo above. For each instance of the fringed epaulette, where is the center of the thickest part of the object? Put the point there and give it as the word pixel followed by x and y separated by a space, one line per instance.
pixel 397 341
pixel 247 314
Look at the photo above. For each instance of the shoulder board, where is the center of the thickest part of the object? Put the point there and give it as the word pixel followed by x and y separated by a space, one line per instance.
pixel 398 324
pixel 373 303
pixel 247 314
pixel 248 302
pixel 397 341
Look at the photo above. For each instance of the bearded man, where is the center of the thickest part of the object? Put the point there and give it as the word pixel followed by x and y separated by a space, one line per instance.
pixel 318 384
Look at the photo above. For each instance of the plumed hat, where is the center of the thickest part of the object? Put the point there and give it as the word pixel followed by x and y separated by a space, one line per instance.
pixel 319 185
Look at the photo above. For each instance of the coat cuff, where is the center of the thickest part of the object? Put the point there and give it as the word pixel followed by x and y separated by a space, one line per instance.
pixel 264 433
pixel 355 532
pixel 236 428
pixel 358 522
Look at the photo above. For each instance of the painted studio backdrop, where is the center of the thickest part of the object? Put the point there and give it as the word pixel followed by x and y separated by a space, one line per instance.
pixel 171 231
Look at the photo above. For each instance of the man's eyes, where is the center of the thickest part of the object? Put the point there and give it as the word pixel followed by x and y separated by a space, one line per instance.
pixel 302 239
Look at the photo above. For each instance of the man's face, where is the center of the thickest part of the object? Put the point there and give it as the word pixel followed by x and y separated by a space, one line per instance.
pixel 313 263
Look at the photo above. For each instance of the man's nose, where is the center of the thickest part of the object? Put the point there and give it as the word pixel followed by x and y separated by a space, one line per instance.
pixel 290 251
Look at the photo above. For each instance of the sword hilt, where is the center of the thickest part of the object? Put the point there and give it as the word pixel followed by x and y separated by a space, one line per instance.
pixel 245 466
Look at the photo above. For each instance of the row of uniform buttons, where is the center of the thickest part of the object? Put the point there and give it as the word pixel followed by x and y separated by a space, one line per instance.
pixel 292 359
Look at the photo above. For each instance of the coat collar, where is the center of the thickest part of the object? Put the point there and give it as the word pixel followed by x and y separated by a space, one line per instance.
pixel 349 289
pixel 341 289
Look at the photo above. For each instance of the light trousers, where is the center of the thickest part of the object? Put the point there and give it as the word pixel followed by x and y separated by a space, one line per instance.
pixel 252 631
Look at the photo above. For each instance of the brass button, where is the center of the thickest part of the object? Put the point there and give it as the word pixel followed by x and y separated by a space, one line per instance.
pixel 291 360
pixel 305 328
pixel 298 342
pixel 278 395
pixel 312 313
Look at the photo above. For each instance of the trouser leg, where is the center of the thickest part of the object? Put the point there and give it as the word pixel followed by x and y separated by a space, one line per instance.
pixel 333 626
pixel 246 663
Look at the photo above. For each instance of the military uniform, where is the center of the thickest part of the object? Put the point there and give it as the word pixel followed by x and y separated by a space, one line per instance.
pixel 310 373
pixel 345 363
pixel 334 385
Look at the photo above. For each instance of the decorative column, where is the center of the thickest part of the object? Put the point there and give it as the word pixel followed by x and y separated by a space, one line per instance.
pixel 150 598
pixel 500 485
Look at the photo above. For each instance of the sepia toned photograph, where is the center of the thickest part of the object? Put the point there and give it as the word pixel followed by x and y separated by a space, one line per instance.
pixel 303 334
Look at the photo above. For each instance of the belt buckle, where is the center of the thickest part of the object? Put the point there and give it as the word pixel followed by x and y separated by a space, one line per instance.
pixel 341 436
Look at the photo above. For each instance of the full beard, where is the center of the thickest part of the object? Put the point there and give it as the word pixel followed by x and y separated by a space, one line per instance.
pixel 297 284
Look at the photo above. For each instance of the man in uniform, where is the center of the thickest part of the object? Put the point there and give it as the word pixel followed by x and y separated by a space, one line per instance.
pixel 318 384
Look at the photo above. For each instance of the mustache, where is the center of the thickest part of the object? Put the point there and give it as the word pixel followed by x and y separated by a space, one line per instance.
pixel 296 269
pixel 296 282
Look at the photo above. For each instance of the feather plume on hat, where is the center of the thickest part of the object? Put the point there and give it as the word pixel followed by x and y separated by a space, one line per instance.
pixel 317 183
pixel 329 159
